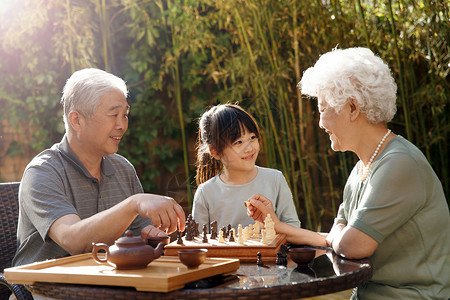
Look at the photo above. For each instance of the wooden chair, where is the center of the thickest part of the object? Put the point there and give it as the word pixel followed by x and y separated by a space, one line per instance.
pixel 9 213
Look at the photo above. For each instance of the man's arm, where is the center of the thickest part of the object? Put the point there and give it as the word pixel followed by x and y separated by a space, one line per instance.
pixel 76 235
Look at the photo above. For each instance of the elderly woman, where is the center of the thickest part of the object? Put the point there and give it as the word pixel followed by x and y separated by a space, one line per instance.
pixel 394 209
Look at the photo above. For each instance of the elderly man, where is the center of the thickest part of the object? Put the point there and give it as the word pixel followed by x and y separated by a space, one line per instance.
pixel 80 191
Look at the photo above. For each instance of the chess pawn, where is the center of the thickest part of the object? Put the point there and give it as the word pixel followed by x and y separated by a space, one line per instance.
pixel 263 237
pixel 221 239
pixel 249 229
pixel 205 237
pixel 259 261
pixel 240 235
pixel 179 239
pixel 225 234
pixel 279 261
pixel 256 230
pixel 231 239
pixel 245 233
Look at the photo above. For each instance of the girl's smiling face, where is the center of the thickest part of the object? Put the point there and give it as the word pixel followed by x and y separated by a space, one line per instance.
pixel 241 154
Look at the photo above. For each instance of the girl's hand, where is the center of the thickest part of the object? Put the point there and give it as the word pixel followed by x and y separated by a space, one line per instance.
pixel 259 207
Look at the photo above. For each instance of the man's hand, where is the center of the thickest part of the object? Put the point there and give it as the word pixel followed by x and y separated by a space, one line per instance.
pixel 164 212
pixel 151 231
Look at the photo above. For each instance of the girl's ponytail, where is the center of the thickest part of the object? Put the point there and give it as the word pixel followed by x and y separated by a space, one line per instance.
pixel 207 167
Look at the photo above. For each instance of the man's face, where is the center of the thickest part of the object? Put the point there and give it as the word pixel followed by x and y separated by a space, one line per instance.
pixel 103 131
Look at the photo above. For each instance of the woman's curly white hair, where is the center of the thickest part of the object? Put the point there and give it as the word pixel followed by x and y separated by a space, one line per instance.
pixel 353 73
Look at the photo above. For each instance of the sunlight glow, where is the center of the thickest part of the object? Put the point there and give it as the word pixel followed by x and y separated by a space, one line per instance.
pixel 5 6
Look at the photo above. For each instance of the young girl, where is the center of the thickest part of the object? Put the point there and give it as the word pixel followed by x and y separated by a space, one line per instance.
pixel 228 146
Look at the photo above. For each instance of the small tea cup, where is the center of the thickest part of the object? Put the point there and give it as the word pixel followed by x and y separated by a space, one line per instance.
pixel 192 258
pixel 302 256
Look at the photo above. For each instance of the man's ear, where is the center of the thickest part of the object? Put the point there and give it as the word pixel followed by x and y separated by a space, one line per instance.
pixel 75 119
pixel 354 109
pixel 214 153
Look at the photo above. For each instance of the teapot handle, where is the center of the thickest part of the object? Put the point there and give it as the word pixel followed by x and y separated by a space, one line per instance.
pixel 98 247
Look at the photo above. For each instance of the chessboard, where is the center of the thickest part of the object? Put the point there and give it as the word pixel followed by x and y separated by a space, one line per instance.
pixel 245 252
pixel 245 243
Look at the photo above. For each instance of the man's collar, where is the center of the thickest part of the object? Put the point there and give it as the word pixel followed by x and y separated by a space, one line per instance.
pixel 65 150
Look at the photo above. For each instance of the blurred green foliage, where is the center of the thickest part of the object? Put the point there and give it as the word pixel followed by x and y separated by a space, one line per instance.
pixel 179 57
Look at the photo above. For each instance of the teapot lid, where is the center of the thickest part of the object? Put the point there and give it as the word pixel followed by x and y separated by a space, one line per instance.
pixel 129 239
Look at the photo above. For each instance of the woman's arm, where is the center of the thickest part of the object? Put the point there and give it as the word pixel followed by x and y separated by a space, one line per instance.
pixel 259 207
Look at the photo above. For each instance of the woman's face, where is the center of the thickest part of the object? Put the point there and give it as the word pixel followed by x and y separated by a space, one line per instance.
pixel 335 124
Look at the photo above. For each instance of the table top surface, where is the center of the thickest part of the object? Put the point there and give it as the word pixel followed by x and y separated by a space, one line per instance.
pixel 328 273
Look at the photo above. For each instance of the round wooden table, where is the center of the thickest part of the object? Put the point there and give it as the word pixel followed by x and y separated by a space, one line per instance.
pixel 328 273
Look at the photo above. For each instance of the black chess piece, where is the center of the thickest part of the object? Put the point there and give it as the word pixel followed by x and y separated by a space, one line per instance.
pixel 179 239
pixel 279 261
pixel 225 234
pixel 259 261
pixel 213 227
pixel 205 237
pixel 231 239
pixel 188 235
pixel 196 230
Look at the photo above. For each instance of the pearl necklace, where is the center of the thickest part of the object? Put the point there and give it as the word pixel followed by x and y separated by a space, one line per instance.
pixel 365 169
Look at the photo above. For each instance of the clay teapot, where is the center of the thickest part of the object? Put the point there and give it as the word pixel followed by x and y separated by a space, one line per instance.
pixel 128 252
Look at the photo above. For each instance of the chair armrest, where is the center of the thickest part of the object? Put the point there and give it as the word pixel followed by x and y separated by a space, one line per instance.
pixel 19 290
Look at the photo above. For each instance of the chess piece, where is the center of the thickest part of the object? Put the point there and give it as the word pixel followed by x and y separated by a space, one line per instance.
pixel 283 250
pixel 259 261
pixel 256 230
pixel 228 229
pixel 246 233
pixel 225 234
pixel 188 235
pixel 279 261
pixel 213 227
pixel 179 239
pixel 205 237
pixel 231 239
pixel 240 235
pixel 221 239
pixel 263 237
pixel 269 227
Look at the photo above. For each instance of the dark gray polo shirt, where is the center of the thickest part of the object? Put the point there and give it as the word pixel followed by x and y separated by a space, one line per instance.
pixel 54 184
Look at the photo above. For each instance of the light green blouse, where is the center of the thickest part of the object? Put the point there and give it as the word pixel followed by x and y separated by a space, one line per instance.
pixel 401 204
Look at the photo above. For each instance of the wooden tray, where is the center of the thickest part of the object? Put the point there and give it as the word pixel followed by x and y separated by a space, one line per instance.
pixel 247 252
pixel 164 274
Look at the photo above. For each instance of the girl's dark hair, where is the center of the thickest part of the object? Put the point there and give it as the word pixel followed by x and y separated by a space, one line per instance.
pixel 219 127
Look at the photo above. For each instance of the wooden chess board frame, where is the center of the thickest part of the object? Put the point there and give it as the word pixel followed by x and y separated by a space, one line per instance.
pixel 246 252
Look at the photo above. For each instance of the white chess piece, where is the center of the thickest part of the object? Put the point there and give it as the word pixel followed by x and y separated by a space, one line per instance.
pixel 263 237
pixel 241 235
pixel 269 226
pixel 221 239
pixel 256 230
pixel 246 234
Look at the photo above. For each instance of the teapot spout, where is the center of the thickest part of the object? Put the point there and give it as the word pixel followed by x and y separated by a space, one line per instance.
pixel 158 250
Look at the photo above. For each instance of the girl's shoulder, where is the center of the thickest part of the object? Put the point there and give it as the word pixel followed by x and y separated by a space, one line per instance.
pixel 213 181
pixel 269 172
